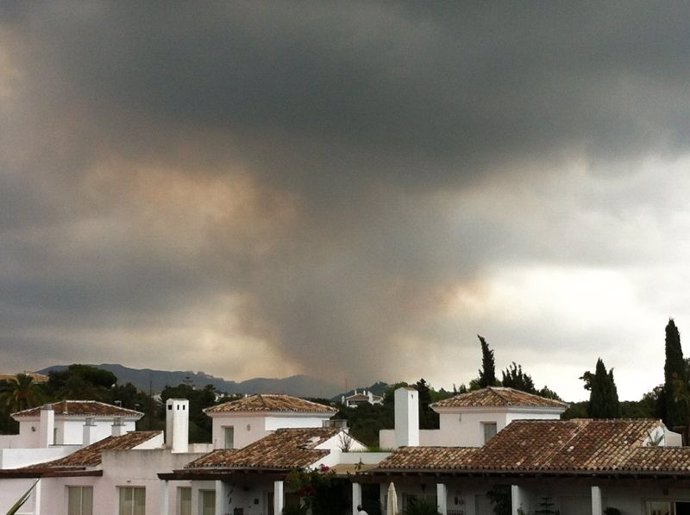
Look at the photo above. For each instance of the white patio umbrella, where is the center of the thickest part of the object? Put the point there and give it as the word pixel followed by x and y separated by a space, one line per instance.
pixel 392 501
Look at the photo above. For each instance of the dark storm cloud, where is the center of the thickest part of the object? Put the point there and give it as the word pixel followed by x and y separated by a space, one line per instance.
pixel 360 139
pixel 417 93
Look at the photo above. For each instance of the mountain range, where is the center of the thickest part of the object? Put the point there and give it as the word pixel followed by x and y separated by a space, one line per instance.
pixel 154 381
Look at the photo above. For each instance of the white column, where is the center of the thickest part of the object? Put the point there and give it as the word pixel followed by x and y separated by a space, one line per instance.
pixel 597 508
pixel 37 497
pixel 165 501
pixel 220 497
pixel 278 497
pixel 515 499
pixel 442 498
pixel 356 497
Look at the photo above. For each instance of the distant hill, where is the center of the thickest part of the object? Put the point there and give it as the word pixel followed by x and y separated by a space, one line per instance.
pixel 156 380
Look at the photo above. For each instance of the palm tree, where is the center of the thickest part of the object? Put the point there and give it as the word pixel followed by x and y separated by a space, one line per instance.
pixel 20 393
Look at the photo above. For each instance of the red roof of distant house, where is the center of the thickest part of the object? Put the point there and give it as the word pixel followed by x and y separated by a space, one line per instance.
pixel 81 409
pixel 270 403
pixel 498 397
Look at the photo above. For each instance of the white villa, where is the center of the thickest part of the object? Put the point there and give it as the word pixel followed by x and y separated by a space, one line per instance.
pixel 359 398
pixel 495 439
pixel 503 440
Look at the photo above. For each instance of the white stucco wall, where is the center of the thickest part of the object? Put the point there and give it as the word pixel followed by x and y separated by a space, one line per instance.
pixel 26 438
pixel 71 432
pixel 15 458
pixel 11 490
pixel 136 468
pixel 67 431
pixel 250 428
pixel 366 458
pixel 294 420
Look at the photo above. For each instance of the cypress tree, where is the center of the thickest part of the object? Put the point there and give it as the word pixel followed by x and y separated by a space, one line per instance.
pixel 675 378
pixel 603 399
pixel 487 374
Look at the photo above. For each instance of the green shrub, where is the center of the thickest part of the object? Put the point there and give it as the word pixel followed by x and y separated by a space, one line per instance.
pixel 421 507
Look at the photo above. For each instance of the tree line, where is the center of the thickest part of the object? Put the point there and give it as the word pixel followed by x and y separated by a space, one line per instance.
pixel 669 402
pixel 85 382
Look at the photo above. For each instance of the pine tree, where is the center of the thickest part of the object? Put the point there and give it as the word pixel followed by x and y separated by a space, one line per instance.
pixel 514 377
pixel 487 374
pixel 675 377
pixel 428 418
pixel 603 397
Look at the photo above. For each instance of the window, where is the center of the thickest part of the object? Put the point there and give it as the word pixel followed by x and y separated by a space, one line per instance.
pixel 132 500
pixel 229 433
pixel 668 508
pixel 79 500
pixel 490 430
pixel 184 500
pixel 208 502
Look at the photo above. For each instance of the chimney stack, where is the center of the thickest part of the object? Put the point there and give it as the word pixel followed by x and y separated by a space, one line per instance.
pixel 118 428
pixel 46 429
pixel 177 425
pixel 406 417
pixel 89 431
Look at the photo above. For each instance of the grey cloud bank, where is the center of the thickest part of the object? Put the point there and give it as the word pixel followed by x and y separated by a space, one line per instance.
pixel 347 190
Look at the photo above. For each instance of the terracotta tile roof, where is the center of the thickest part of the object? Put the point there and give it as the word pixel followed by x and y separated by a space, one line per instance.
pixel 494 396
pixel 81 409
pixel 285 449
pixel 270 403
pixel 90 456
pixel 543 446
pixel 427 458
pixel 581 444
pixel 657 459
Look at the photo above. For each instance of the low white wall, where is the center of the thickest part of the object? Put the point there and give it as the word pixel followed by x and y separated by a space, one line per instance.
pixel 295 421
pixel 15 458
pixel 367 458
pixel 387 439
pixel 15 442
pixel 71 432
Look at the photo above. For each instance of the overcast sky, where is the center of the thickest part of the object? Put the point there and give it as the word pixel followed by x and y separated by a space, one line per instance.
pixel 350 190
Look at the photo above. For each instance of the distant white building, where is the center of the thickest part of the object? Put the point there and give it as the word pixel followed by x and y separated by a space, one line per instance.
pixel 359 398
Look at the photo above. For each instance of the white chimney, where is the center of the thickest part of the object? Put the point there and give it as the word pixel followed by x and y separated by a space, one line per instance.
pixel 119 428
pixel 46 428
pixel 177 425
pixel 89 431
pixel 406 417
